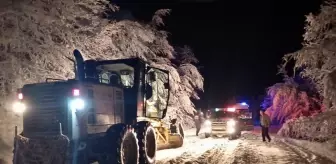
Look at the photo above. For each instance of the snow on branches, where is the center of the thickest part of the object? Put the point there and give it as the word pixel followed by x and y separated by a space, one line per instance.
pixel 317 62
pixel 185 55
pixel 318 55
pixel 157 17
pixel 289 100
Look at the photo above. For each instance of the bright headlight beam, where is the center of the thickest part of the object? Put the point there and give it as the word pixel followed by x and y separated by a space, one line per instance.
pixel 231 123
pixel 77 104
pixel 231 130
pixel 19 107
pixel 207 122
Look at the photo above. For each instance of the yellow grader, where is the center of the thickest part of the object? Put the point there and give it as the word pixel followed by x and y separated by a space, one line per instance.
pixel 111 113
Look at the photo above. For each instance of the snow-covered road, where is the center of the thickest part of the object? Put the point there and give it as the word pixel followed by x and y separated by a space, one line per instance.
pixel 247 150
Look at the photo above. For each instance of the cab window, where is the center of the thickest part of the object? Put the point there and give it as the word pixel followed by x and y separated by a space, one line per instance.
pixel 117 74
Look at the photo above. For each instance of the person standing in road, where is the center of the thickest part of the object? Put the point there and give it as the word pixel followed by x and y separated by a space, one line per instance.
pixel 265 122
pixel 197 120
pixel 201 116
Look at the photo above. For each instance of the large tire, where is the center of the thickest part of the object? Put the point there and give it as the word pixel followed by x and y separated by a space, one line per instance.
pixel 122 146
pixel 147 143
pixel 239 133
pixel 231 137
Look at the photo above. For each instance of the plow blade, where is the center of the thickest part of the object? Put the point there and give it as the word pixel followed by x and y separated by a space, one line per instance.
pixel 46 150
pixel 175 141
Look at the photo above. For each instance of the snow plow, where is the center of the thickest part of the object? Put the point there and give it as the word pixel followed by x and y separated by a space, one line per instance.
pixel 110 113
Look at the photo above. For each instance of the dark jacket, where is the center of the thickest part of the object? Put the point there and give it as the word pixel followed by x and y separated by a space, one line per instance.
pixel 197 119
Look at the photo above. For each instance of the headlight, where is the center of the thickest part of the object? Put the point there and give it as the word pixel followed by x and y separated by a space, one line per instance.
pixel 231 123
pixel 19 107
pixel 77 104
pixel 231 130
pixel 207 123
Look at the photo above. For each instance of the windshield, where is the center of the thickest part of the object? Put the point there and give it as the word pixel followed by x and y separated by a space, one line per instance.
pixel 245 114
pixel 223 114
pixel 118 74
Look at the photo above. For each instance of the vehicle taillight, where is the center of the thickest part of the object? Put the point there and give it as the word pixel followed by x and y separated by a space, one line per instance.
pixel 75 92
pixel 20 96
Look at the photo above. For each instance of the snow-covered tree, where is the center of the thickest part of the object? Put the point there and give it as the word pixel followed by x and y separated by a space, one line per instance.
pixel 318 55
pixel 290 99
pixel 38 37
pixel 317 62
pixel 185 55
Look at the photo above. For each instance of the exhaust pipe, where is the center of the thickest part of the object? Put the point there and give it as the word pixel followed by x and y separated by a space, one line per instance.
pixel 80 74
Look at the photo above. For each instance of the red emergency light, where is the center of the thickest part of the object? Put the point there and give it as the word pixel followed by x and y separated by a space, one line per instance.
pixel 231 109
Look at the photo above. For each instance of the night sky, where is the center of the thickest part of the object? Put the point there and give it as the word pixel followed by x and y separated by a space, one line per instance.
pixel 239 43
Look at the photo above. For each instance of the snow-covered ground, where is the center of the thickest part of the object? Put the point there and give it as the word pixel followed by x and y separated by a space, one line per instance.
pixel 248 149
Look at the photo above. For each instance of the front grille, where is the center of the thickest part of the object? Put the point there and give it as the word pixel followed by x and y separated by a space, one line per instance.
pixel 219 124
pixel 246 121
pixel 46 108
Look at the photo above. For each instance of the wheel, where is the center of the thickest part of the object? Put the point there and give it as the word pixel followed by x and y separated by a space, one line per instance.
pixel 181 130
pixel 231 137
pixel 207 135
pixel 147 142
pixel 122 146
pixel 239 134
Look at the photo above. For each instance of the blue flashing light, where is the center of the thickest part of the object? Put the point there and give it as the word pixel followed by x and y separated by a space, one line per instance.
pixel 243 103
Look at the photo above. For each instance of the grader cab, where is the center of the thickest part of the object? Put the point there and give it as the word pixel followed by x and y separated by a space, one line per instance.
pixel 110 113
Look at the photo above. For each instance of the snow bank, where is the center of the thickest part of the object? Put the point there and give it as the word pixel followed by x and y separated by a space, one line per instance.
pixel 37 36
pixel 320 127
pixel 317 59
pixel 326 149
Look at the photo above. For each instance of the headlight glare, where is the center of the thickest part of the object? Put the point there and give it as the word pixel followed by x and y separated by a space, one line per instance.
pixel 231 123
pixel 19 107
pixel 77 104
pixel 231 130
pixel 207 123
